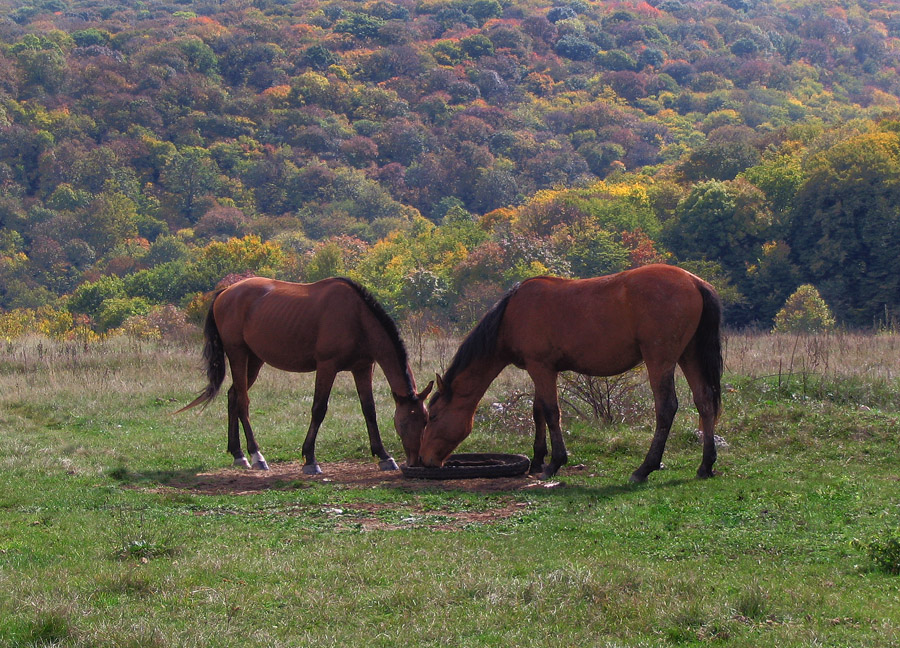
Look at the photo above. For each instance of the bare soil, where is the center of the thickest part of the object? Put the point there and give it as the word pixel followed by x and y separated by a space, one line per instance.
pixel 354 474
pixel 364 475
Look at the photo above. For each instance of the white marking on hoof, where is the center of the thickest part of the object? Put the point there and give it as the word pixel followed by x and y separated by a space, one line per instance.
pixel 241 463
pixel 312 469
pixel 259 462
pixel 388 464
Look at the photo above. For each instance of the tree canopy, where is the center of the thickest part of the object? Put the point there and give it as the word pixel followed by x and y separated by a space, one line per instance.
pixel 440 150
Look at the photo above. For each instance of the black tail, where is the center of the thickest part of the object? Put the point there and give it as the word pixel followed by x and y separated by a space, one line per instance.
pixel 708 339
pixel 213 357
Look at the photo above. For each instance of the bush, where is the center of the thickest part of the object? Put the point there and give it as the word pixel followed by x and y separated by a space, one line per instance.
pixel 804 312
pixel 115 311
pixel 89 297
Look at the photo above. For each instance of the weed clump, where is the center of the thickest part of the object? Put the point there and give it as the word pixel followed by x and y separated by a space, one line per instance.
pixel 884 552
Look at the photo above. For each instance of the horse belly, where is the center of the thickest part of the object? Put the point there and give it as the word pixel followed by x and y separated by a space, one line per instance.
pixel 580 346
pixel 284 354
pixel 601 361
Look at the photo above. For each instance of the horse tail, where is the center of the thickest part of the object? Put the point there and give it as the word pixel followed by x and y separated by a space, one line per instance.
pixel 213 358
pixel 708 342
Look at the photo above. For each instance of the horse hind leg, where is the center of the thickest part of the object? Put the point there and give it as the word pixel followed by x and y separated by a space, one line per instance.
pixel 666 403
pixel 704 400
pixel 254 364
pixel 363 379
pixel 234 438
pixel 244 370
pixel 540 438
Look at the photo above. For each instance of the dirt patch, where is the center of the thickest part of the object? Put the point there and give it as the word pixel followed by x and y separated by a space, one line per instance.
pixel 353 474
pixel 359 515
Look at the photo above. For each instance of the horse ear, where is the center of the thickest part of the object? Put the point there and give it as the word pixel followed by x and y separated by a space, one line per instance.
pixel 439 382
pixel 424 393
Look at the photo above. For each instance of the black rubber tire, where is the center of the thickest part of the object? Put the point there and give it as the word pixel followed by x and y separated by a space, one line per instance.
pixel 470 465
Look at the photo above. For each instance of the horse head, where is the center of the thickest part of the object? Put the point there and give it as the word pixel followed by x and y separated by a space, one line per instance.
pixel 410 417
pixel 449 422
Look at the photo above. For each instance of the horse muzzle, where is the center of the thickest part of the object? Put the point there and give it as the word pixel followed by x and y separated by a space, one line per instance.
pixel 431 461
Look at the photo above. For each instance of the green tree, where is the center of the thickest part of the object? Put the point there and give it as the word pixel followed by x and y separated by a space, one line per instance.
pixel 324 261
pixel 88 298
pixel 845 231
pixel 190 175
pixel 109 219
pixel 114 311
pixel 594 252
pixel 725 221
pixel 484 10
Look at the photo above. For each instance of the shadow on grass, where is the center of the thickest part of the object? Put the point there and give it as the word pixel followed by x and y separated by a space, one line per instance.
pixel 364 475
pixel 127 477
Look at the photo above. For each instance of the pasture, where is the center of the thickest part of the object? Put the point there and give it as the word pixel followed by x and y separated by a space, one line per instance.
pixel 122 525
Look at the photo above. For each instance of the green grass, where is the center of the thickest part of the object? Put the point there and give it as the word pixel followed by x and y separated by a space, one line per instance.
pixel 97 550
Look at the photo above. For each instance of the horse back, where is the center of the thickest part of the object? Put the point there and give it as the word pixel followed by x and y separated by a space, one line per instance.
pixel 603 325
pixel 292 326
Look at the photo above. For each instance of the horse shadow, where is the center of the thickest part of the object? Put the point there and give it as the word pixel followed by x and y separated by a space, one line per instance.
pixel 288 476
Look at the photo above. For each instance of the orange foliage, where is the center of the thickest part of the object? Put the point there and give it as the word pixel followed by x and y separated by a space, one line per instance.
pixel 641 248
pixel 279 92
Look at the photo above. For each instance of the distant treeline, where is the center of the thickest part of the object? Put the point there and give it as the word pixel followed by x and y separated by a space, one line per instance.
pixel 440 150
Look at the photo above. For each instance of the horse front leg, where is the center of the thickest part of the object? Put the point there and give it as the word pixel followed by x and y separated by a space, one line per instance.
pixel 546 399
pixel 363 379
pixel 325 376
pixel 243 409
pixel 666 403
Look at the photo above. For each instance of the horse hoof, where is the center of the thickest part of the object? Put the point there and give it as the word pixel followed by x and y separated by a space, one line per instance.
pixel 312 469
pixel 260 465
pixel 388 464
pixel 637 478
pixel 536 469
pixel 706 474
pixel 241 463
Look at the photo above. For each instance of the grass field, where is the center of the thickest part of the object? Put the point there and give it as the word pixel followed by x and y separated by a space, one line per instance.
pixel 108 537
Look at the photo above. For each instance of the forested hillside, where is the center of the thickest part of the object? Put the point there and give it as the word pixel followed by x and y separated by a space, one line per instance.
pixel 440 150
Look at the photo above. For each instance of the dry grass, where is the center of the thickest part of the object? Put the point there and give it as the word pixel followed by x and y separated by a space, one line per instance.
pixel 837 355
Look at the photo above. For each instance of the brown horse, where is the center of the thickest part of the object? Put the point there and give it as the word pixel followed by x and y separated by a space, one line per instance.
pixel 329 326
pixel 657 314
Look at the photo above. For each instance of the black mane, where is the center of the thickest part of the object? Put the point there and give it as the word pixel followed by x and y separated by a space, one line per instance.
pixel 480 342
pixel 390 327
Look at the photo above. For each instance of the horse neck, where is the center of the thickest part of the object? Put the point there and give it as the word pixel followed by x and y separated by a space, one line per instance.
pixel 472 382
pixel 395 372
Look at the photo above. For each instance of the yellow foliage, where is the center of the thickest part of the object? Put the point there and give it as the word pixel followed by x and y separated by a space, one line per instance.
pixel 497 217
pixel 44 320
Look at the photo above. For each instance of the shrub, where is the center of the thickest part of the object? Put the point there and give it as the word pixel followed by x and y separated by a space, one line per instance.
pixel 116 310
pixel 804 312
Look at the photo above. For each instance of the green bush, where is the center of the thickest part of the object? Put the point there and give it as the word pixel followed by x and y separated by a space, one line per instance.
pixel 804 312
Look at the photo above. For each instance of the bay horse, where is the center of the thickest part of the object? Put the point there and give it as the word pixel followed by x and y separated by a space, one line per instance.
pixel 659 314
pixel 329 326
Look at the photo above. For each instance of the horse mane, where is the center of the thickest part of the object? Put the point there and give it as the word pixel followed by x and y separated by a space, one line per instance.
pixel 390 327
pixel 480 342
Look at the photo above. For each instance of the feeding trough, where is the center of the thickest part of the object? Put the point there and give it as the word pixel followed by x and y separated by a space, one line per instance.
pixel 470 465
